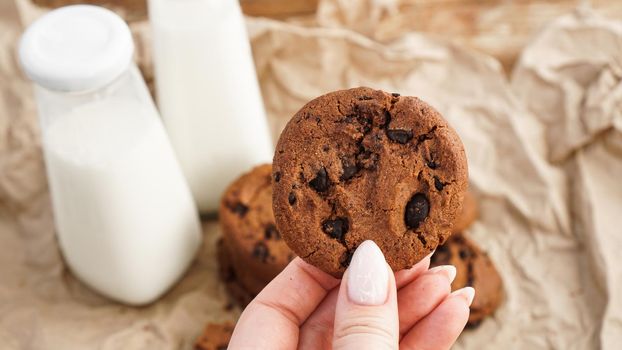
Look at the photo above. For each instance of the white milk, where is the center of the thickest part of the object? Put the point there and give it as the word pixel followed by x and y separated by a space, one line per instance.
pixel 208 93
pixel 124 215
pixel 125 218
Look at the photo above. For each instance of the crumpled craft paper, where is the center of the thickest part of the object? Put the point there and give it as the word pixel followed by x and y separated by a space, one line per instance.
pixel 499 28
pixel 545 157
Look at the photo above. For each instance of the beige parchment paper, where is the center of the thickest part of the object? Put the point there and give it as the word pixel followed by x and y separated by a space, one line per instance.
pixel 545 157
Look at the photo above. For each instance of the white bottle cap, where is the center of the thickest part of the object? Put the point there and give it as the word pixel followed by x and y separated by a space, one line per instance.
pixel 76 48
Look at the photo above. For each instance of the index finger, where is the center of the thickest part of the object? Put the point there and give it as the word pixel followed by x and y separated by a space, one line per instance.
pixel 273 319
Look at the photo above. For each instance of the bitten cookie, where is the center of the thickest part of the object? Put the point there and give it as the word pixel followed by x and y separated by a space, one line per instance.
pixel 363 164
pixel 474 269
pixel 470 212
pixel 216 336
pixel 257 251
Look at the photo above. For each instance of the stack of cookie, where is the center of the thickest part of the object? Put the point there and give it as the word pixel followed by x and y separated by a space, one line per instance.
pixel 354 165
pixel 362 164
pixel 474 267
pixel 251 252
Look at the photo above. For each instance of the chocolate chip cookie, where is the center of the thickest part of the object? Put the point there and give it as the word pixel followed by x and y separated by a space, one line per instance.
pixel 363 164
pixel 256 250
pixel 470 212
pixel 474 269
pixel 237 292
pixel 216 336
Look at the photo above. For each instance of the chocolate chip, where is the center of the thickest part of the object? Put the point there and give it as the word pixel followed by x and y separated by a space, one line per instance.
pixel 400 136
pixel 417 210
pixel 438 184
pixel 422 239
pixel 325 148
pixel 291 198
pixel 387 119
pixel 349 169
pixel 239 209
pixel 464 253
pixel 346 258
pixel 261 252
pixel 277 176
pixel 470 274
pixel 427 135
pixel 432 164
pixel 365 117
pixel 364 98
pixel 272 233
pixel 320 182
pixel 395 94
pixel 336 228
pixel 367 160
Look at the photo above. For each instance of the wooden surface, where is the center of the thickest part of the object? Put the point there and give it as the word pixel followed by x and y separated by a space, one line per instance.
pixel 137 9
pixel 278 8
pixel 132 10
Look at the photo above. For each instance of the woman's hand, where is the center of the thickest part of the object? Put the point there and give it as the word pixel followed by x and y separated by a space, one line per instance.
pixel 370 308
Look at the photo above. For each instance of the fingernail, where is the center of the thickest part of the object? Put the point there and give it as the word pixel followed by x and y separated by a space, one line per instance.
pixel 429 256
pixel 368 276
pixel 468 293
pixel 448 270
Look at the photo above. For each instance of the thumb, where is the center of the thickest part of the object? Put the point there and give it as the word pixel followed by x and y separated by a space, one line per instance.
pixel 366 315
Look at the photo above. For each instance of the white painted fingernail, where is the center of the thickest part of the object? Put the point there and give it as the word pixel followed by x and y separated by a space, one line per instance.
pixel 429 255
pixel 468 293
pixel 447 270
pixel 368 276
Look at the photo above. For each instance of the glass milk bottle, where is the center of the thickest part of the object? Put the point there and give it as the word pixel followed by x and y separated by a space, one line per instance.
pixel 208 93
pixel 124 215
